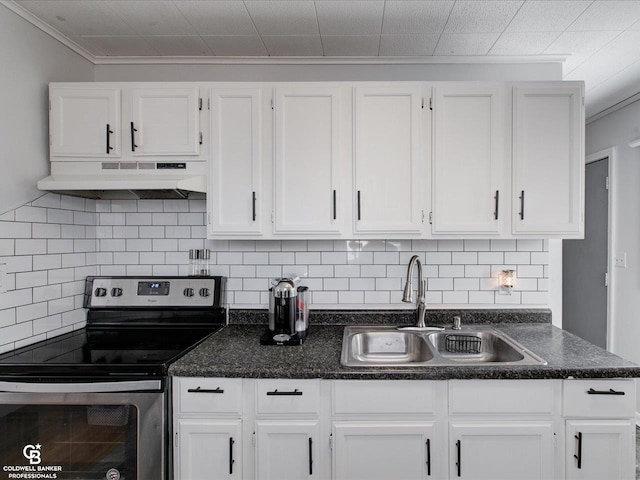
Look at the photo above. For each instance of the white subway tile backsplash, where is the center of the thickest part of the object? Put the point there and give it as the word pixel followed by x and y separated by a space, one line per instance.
pixel 164 245
pixel 362 284
pixel 324 297
pixel 77 318
pixel 48 292
pixel 241 246
pixel 124 206
pixel 270 271
pixel 490 257
pixel 517 257
pixel 540 258
pixel 360 258
pixel 464 258
pixel 33 247
pixel 282 258
pixel 530 271
pixel 191 219
pixel 424 245
pixel 186 244
pixel 152 258
pixel 346 271
pixel 47 324
pixel 7 247
pixel 46 230
pixel 59 216
pixel 466 284
pixel 138 270
pixel 14 333
pixel 175 206
pixel 309 258
pixel 47 200
pixel 473 245
pixel 164 219
pixel 31 214
pixel 60 275
pixel 455 297
pixel 138 244
pixel 438 258
pixel 320 245
pixel 153 232
pixel 530 245
pixel 477 271
pixel 73 260
pixel 168 270
pixel 377 297
pixel 85 218
pixel 31 279
pixel 450 245
pixel 503 245
pixel 243 271
pixel 112 219
pixel 440 284
pixel 126 258
pixel 388 284
pixel 18 263
pixel 197 205
pixel 16 298
pixel 526 284
pixel 373 271
pixel 7 317
pixel 351 297
pixel 150 206
pixel 453 271
pixel 388 258
pixel 74 231
pixel 60 246
pixel 31 312
pixel 122 231
pixel 71 203
pixel 15 230
pixel 513 299
pixel 481 297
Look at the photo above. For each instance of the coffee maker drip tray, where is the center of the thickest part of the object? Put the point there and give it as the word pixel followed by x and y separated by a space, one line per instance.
pixel 270 337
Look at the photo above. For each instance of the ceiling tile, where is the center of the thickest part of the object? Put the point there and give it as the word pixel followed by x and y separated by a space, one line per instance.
pixel 471 16
pixel 547 16
pixel 408 45
pixel 293 45
pixel 465 43
pixel 124 46
pixel 236 45
pixel 350 46
pixel 222 17
pixel 278 17
pixel 178 45
pixel 153 17
pixel 348 17
pixel 580 46
pixel 71 17
pixel 523 43
pixel 608 15
pixel 611 59
pixel 416 17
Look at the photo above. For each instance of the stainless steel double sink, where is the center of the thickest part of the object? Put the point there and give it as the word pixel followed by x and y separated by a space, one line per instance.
pixel 388 346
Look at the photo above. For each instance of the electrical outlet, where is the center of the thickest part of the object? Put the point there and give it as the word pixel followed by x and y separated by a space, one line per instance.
pixel 3 277
pixel 621 260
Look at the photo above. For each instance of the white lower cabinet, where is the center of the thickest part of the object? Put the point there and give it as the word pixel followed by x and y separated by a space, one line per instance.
pixel 209 449
pixel 508 450
pixel 599 449
pixel 287 450
pixel 288 429
pixel 385 450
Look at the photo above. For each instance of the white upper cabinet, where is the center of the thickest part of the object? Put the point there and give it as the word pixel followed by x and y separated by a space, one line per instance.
pixel 164 121
pixel 234 196
pixel 84 121
pixel 469 169
pixel 388 167
pixel 307 160
pixel 548 160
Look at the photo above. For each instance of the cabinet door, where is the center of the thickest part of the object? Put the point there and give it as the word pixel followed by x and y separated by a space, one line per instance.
pixel 387 175
pixel 597 449
pixel 307 160
pixel 501 450
pixel 469 169
pixel 164 121
pixel 548 160
pixel 385 450
pixel 287 450
pixel 235 175
pixel 84 122
pixel 208 449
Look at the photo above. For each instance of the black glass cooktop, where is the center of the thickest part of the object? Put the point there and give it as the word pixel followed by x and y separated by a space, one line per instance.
pixel 99 352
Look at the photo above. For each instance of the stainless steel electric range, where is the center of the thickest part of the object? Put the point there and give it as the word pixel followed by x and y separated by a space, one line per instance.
pixel 93 403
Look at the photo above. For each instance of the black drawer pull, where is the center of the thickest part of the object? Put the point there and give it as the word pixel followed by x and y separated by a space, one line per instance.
pixel 578 456
pixel 611 391
pixel 109 132
pixel 359 216
pixel 133 138
pixel 310 456
pixel 276 392
pixel 521 205
pixel 231 459
pixel 253 203
pixel 205 390
pixel 497 199
pixel 459 457
pixel 428 457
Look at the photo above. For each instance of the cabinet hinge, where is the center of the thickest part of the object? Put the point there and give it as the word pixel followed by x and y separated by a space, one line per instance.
pixel 272 104
pixel 430 218
pixel 200 138
pixel 431 104
pixel 199 104
pixel 606 183
pixel 175 440
pixel 331 441
pixel 253 439
pixel 606 279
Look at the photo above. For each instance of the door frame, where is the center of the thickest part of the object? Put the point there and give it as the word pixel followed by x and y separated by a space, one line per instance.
pixel 609 153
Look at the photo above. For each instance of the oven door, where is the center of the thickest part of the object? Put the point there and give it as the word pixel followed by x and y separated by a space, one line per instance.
pixel 110 430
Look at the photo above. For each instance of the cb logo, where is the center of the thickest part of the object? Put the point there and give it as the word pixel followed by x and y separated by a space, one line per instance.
pixel 32 453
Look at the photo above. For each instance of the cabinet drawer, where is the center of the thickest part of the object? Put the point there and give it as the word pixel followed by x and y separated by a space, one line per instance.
pixel 287 396
pixel 380 396
pixel 209 395
pixel 534 397
pixel 599 398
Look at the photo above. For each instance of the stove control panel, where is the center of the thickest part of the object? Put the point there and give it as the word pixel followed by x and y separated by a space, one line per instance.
pixel 119 292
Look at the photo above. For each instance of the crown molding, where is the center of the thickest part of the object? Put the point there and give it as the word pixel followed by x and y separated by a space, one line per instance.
pixel 35 21
pixel 617 106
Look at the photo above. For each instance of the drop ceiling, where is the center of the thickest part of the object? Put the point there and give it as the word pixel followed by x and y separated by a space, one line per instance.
pixel 601 37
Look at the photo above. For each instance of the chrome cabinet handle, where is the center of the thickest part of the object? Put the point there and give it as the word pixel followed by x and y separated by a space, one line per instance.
pixel 205 390
pixel 611 391
pixel 578 456
pixel 109 132
pixel 133 138
pixel 521 205
pixel 497 199
pixel 296 392
pixel 253 202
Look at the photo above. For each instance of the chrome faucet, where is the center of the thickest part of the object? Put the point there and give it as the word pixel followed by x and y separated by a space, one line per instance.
pixel 421 306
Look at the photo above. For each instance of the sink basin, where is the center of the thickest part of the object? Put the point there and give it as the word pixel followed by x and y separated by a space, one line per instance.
pixel 386 346
pixel 389 347
pixel 475 347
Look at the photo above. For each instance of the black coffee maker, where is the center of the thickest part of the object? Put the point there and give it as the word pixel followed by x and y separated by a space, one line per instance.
pixel 288 313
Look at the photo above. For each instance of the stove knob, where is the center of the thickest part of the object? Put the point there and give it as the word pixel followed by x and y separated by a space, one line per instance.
pixel 204 292
pixel 188 292
pixel 116 292
pixel 100 292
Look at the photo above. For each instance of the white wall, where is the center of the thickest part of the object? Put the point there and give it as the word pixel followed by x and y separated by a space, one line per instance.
pixel 616 130
pixel 30 60
pixel 500 72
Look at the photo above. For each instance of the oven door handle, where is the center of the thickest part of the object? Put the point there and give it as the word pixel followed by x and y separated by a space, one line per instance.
pixel 97 387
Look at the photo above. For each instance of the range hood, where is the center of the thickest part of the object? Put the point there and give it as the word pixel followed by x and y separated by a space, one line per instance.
pixel 127 180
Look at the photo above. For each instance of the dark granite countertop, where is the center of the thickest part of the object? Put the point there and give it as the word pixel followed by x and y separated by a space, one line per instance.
pixel 235 351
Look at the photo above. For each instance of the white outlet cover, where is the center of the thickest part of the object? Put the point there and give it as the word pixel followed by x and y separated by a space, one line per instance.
pixel 621 260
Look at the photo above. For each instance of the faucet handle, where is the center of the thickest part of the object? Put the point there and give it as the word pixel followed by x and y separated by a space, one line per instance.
pixel 457 323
